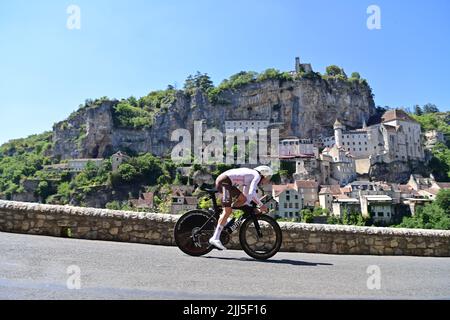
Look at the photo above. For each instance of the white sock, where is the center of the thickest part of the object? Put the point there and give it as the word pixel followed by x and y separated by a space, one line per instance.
pixel 217 233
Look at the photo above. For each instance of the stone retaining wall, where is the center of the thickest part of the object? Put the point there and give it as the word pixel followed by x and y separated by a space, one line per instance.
pixel 157 229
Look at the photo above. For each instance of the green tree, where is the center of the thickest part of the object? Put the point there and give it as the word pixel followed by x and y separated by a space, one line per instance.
pixel 431 216
pixel 307 216
pixel 200 81
pixel 64 191
pixel 43 190
pixel 127 173
pixel 418 110
pixel 333 71
pixel 443 200
pixel 356 75
pixel 430 108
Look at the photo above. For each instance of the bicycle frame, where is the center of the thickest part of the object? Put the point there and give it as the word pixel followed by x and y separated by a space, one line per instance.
pixel 249 212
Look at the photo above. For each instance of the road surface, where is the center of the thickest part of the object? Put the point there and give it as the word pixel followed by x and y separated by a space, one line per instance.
pixel 35 267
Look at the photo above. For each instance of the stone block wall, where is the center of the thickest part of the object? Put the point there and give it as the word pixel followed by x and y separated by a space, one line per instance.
pixel 157 229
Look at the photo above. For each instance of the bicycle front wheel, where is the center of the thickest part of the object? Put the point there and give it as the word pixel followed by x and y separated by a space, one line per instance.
pixel 265 247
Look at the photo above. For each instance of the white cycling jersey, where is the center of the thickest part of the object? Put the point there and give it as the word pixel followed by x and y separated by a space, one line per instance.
pixel 248 179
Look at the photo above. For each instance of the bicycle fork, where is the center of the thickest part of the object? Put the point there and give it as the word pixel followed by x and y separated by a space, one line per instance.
pixel 257 226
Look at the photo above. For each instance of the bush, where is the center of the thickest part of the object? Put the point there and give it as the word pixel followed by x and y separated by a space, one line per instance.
pixel 435 215
pixel 127 173
pixel 307 216
pixel 127 116
pixel 356 75
pixel 274 74
pixel 431 216
pixel 334 71
pixel 349 218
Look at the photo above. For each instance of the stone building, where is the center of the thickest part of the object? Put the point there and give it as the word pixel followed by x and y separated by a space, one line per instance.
pixel 342 166
pixel 246 125
pixel 302 67
pixel 117 159
pixel 295 147
pixel 396 138
pixel 145 201
pixel 290 201
pixel 433 137
pixel 327 195
pixel 309 191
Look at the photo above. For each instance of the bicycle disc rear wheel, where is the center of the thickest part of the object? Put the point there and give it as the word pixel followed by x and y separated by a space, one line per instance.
pixel 265 247
pixel 186 234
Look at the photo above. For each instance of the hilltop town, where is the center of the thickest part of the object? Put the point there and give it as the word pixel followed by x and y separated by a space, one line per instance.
pixel 341 157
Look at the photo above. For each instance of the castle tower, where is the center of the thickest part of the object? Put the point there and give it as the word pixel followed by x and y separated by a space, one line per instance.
pixel 298 67
pixel 338 128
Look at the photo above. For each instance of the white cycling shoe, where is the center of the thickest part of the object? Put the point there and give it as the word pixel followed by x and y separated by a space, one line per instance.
pixel 217 244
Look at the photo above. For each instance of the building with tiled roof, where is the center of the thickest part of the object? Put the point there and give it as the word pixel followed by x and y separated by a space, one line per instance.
pixel 396 114
pixel 397 138
pixel 289 199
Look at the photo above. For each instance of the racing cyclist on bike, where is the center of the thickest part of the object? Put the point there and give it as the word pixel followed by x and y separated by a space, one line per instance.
pixel 227 182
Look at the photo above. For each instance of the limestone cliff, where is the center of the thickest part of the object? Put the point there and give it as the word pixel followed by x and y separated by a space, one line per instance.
pixel 303 107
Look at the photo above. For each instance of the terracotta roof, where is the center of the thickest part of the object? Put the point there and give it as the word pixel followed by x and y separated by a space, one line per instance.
pixel 148 196
pixel 404 188
pixel 433 191
pixel 278 189
pixel 396 114
pixel 443 185
pixel 191 200
pixel 141 203
pixel 306 184
pixel 330 189
pixel 346 189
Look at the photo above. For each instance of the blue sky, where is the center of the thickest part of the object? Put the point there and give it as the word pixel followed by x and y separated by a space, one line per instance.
pixel 133 47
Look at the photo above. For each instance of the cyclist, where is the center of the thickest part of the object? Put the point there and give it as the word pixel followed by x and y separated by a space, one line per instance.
pixel 227 182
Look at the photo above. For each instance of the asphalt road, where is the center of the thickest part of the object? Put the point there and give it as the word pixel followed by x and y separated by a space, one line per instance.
pixel 33 267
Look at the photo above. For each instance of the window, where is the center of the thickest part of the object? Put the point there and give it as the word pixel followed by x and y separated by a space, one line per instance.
pixel 288 198
pixel 290 205
pixel 296 197
pixel 296 206
pixel 285 205
pixel 380 214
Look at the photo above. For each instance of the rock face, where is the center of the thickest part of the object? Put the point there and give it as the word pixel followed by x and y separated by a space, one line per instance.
pixel 397 171
pixel 304 108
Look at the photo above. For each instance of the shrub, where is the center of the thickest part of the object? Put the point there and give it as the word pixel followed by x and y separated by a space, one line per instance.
pixel 334 71
pixel 356 75
pixel 127 116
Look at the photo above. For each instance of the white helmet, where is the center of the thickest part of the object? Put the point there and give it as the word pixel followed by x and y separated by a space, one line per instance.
pixel 265 171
